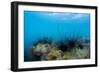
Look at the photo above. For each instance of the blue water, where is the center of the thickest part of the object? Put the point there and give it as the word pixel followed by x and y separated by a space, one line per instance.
pixel 56 25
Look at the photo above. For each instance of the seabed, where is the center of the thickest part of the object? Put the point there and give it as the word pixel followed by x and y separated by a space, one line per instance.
pixel 46 49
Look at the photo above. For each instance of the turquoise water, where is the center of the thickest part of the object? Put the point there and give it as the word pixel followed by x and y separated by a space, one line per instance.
pixel 55 25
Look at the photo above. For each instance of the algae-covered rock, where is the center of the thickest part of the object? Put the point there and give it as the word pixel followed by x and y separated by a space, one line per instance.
pixel 54 55
pixel 77 53
pixel 63 50
pixel 43 48
pixel 83 53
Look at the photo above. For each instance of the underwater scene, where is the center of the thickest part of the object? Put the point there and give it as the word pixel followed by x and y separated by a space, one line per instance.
pixel 52 36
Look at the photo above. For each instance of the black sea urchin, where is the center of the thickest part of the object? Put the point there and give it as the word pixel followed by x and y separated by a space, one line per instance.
pixel 67 45
pixel 63 47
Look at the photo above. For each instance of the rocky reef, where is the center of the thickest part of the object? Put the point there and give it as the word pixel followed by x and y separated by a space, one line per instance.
pixel 47 49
